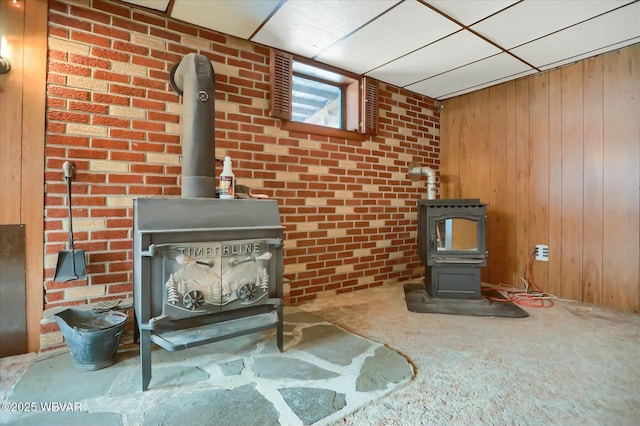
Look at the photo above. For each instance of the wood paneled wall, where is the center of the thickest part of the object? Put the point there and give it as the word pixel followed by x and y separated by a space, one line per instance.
pixel 557 158
pixel 22 125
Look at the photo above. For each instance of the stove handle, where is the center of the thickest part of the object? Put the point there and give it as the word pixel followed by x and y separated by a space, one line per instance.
pixel 151 251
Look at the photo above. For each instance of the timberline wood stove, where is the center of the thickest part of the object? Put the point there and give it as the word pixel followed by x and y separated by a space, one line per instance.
pixel 205 270
pixel 452 245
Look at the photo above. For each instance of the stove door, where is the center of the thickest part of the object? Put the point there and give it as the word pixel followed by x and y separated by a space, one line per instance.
pixel 209 277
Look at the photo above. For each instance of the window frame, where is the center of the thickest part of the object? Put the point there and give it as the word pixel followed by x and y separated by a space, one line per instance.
pixel 343 98
pixel 360 98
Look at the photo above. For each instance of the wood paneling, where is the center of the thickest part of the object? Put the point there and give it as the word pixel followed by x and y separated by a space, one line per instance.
pixel 539 171
pixel 12 24
pixel 593 181
pixel 561 166
pixel 621 178
pixel 572 191
pixel 22 128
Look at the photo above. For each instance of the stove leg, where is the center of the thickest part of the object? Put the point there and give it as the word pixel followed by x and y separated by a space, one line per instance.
pixel 145 358
pixel 280 329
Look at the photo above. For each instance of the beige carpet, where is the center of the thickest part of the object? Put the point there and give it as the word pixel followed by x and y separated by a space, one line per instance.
pixel 573 364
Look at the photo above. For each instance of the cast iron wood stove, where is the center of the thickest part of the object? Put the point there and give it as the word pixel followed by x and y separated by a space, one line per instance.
pixel 452 245
pixel 204 269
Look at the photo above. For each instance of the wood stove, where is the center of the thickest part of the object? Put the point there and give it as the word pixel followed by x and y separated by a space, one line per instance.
pixel 452 245
pixel 205 270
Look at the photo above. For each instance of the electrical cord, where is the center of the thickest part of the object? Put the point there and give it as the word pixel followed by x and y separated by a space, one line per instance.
pixel 530 296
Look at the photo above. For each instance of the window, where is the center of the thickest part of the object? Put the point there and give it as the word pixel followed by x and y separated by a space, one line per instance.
pixel 319 99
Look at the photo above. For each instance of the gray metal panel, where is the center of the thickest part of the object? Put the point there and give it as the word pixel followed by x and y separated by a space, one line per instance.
pixel 453 282
pixel 156 214
pixel 13 313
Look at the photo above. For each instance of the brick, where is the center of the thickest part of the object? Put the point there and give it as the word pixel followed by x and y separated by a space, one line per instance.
pixel 168 35
pixel 84 292
pixel 148 125
pixel 91 39
pixel 146 168
pixel 111 76
pixel 163 55
pixel 126 134
pixel 110 99
pixel 129 47
pixel 147 147
pixel 145 82
pixel 58 115
pixel 126 156
pixel 122 201
pixel 212 35
pixel 130 25
pixel 86 153
pixel 163 137
pixel 129 69
pixel 87 83
pixel 112 8
pixel 126 90
pixel 164 117
pixel 54 55
pixel 90 14
pixel 162 96
pixel 146 104
pixel 102 190
pixel 111 32
pixel 88 107
pixel 159 75
pixel 163 158
pixel 119 111
pixel 108 166
pixel 68 21
pixel 180 49
pixel 195 42
pixel 110 54
pixel 148 62
pixel 56 103
pixel 109 121
pixel 148 19
pixel 67 46
pixel 66 68
pixel 89 61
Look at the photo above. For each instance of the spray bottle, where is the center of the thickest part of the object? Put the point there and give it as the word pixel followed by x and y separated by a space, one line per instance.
pixel 227 180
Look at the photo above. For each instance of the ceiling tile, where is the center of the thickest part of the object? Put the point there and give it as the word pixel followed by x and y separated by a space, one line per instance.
pixel 307 27
pixel 482 72
pixel 591 53
pixel 454 51
pixel 487 84
pixel 532 19
pixel 236 18
pixel 608 29
pixel 399 31
pixel 468 12
pixel 151 4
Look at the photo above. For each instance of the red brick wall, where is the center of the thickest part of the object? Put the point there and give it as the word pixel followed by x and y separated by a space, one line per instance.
pixel 348 207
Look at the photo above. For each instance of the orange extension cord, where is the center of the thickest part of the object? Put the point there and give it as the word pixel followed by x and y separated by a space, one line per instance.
pixel 531 296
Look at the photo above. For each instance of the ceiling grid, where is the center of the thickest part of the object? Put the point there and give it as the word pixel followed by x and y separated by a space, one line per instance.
pixel 438 48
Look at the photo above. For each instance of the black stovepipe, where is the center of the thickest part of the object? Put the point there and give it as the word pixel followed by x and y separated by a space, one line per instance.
pixel 193 78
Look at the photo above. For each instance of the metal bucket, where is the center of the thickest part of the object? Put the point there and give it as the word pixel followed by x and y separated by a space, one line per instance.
pixel 93 338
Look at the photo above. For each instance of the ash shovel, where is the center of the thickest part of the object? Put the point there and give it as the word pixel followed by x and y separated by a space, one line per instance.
pixel 71 264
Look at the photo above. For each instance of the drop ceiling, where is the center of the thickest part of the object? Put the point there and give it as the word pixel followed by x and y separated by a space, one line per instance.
pixel 438 48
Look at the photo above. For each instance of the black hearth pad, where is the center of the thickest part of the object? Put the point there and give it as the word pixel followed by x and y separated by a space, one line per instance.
pixel 419 301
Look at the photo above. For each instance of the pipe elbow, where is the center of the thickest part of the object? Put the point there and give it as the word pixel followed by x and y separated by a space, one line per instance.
pixel 423 171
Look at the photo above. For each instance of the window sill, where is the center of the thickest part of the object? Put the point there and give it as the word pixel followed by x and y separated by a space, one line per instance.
pixel 295 126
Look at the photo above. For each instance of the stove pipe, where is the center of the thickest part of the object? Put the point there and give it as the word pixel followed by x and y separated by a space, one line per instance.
pixel 193 79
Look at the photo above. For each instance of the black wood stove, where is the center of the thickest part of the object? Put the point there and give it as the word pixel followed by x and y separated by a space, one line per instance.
pixel 204 269
pixel 452 245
